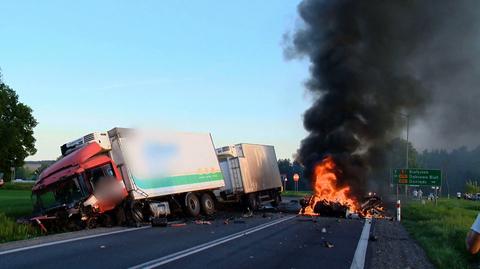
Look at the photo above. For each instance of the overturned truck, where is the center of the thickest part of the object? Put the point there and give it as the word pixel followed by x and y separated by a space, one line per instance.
pixel 128 176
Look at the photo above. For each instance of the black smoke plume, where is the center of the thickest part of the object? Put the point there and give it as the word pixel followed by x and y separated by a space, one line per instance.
pixel 372 63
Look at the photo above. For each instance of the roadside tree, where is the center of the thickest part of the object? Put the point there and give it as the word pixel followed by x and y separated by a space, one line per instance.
pixel 16 131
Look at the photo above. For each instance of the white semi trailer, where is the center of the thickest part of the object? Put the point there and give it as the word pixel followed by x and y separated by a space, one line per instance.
pixel 251 175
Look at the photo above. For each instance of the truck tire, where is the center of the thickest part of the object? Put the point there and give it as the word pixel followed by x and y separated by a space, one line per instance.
pixel 208 204
pixel 192 204
pixel 137 213
pixel 252 201
pixel 276 199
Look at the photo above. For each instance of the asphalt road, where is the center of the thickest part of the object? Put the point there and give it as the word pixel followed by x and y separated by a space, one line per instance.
pixel 272 241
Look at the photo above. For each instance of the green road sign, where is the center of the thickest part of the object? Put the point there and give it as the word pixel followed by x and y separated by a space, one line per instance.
pixel 420 177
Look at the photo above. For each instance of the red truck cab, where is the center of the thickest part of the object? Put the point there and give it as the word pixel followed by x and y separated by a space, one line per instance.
pixel 86 180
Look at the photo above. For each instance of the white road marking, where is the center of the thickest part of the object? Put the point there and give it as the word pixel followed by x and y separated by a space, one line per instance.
pixel 187 252
pixel 359 257
pixel 70 240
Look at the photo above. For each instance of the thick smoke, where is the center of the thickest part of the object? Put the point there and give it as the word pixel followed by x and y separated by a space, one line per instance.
pixel 374 61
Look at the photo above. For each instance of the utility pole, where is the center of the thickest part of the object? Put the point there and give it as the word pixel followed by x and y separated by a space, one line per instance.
pixel 12 174
pixel 407 149
pixel 407 117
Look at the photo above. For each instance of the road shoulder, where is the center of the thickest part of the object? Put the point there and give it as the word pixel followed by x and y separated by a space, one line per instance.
pixel 391 246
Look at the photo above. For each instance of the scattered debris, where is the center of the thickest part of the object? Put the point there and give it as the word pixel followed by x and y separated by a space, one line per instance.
pixel 178 224
pixel 249 214
pixel 328 244
pixel 203 222
pixel 352 215
pixel 162 222
pixel 324 230
pixel 227 220
pixel 307 220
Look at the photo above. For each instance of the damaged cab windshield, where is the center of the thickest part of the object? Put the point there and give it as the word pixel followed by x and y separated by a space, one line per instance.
pixel 65 192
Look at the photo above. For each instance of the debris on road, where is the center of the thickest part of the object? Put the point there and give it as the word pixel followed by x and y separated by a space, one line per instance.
pixel 306 220
pixel 227 220
pixel 324 230
pixel 328 244
pixel 161 222
pixel 203 222
pixel 178 224
pixel 249 214
pixel 373 237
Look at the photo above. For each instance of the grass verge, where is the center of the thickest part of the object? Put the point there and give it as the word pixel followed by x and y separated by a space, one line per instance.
pixel 14 203
pixel 11 231
pixel 441 230
pixel 17 186
pixel 296 193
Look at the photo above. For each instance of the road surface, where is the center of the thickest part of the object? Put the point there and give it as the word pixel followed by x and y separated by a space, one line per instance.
pixel 273 241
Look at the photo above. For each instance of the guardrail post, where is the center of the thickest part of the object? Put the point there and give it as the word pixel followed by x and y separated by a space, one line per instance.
pixel 398 210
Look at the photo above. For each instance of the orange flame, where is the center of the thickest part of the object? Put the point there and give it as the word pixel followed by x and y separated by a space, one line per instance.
pixel 325 188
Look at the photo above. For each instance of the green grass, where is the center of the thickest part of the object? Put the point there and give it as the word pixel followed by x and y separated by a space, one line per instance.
pixel 17 186
pixel 297 194
pixel 11 231
pixel 14 203
pixel 441 230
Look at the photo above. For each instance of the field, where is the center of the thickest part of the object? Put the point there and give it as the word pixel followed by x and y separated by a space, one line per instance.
pixel 14 203
pixel 441 230
pixel 296 193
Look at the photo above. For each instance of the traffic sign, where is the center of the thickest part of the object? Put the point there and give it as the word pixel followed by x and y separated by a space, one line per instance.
pixel 296 177
pixel 419 177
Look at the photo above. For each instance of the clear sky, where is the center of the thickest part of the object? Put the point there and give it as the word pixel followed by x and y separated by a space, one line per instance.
pixel 209 66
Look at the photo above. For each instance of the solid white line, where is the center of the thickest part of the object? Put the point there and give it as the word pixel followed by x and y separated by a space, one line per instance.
pixel 359 257
pixel 187 252
pixel 70 240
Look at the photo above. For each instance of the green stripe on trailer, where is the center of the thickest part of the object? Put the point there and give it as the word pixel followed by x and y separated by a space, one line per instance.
pixel 163 182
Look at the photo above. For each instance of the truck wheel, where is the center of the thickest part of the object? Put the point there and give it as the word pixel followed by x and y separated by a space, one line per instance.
pixel 208 204
pixel 192 204
pixel 137 213
pixel 252 201
pixel 276 199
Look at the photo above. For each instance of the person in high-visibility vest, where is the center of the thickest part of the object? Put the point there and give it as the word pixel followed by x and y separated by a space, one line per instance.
pixel 473 237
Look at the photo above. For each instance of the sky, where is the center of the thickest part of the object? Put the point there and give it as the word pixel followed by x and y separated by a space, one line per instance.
pixel 196 66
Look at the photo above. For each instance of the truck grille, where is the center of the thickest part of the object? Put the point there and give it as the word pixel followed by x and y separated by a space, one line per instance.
pixel 88 138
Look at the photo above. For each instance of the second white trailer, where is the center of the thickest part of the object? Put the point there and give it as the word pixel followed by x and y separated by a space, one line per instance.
pixel 251 174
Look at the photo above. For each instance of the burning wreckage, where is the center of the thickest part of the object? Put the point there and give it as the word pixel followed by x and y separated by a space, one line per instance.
pixel 333 201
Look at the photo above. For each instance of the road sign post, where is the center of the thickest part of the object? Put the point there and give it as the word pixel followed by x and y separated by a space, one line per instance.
pixel 284 181
pixel 296 178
